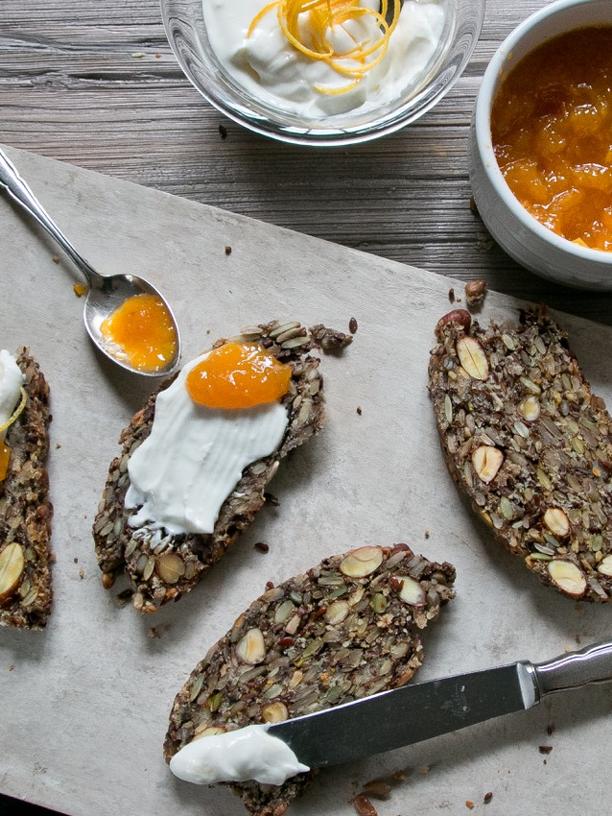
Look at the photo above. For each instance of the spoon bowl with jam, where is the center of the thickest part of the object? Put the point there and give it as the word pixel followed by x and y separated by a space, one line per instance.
pixel 125 316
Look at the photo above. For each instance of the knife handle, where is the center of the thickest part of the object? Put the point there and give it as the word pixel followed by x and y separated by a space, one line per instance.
pixel 590 665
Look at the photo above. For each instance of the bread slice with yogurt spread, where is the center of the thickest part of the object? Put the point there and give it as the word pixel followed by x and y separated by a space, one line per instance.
pixel 529 444
pixel 348 628
pixel 162 562
pixel 25 509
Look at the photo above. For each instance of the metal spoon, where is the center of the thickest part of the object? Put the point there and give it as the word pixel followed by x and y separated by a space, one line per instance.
pixel 106 292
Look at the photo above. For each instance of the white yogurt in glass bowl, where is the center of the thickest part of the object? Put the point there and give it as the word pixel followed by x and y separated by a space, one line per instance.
pixel 271 69
pixel 258 77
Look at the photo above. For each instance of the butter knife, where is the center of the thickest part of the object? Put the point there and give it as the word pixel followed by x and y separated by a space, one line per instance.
pixel 418 712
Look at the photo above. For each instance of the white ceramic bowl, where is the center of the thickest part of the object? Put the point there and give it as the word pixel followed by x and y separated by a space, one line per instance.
pixel 523 237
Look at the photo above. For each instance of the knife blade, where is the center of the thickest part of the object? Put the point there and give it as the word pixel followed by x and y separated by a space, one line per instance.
pixel 418 712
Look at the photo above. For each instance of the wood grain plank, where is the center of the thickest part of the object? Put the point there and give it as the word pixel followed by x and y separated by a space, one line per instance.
pixel 96 84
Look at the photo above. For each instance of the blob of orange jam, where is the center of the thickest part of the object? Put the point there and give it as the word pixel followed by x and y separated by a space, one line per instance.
pixel 551 125
pixel 5 459
pixel 143 330
pixel 238 375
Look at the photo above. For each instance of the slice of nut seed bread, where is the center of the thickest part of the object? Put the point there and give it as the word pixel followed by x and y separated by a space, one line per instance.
pixel 348 628
pixel 166 570
pixel 529 444
pixel 25 509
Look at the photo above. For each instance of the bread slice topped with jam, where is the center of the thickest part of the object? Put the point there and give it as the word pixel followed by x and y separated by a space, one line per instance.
pixel 348 628
pixel 196 460
pixel 530 444
pixel 25 509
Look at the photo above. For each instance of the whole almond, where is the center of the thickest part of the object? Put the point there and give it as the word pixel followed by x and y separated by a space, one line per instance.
pixel 361 562
pixel 11 568
pixel 251 648
pixel 557 522
pixel 487 461
pixel 475 292
pixel 461 317
pixel 567 577
pixel 472 358
pixel 170 567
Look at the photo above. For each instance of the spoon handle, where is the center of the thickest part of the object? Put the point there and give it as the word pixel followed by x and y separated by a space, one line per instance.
pixel 19 191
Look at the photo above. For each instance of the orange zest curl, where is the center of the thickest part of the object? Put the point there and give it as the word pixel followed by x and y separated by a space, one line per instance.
pixel 5 460
pixel 17 412
pixel 323 16
pixel 5 451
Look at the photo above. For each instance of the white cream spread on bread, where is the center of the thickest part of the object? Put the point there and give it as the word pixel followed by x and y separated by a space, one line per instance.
pixel 237 756
pixel 11 381
pixel 194 457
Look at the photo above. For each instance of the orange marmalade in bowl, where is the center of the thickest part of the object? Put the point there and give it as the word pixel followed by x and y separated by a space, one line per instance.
pixel 551 126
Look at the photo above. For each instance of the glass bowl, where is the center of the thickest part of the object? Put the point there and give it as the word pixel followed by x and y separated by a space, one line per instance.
pixel 186 32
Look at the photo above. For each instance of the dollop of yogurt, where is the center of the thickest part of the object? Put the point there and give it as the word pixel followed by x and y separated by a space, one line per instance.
pixel 272 70
pixel 248 753
pixel 11 380
pixel 194 457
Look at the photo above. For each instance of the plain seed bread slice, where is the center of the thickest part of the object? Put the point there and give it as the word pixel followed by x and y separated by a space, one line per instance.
pixel 164 571
pixel 529 444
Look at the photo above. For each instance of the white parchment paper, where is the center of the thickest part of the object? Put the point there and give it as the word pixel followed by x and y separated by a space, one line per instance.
pixel 84 705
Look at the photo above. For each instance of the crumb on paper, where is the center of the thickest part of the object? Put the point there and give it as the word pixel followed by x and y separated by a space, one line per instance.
pixel 80 289
pixel 228 250
pixel 363 806
pixel 262 547
pixel 137 54
pixel 487 797
pixel 485 243
pixel 223 131
pixel 451 295
pixel 426 534
pixel 81 573
pixel 55 259
pixel 378 788
pixel 358 410
pixel 469 804
pixel 353 325
pixel 124 596
pixel 11 667
pixel 58 445
pixel 545 749
pixel 475 293
pixel 156 632
pixel 330 341
pixel 75 559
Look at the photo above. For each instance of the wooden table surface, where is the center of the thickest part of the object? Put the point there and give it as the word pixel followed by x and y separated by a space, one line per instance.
pixel 95 83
